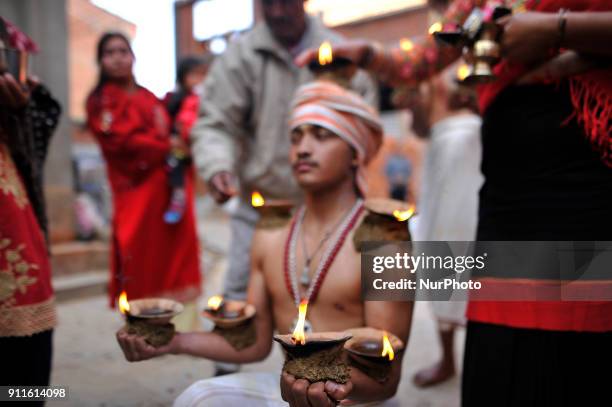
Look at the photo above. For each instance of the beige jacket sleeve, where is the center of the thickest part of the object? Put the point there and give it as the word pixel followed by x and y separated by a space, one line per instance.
pixel 224 110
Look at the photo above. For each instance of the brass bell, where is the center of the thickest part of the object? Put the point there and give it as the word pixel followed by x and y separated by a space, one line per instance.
pixel 479 40
pixel 486 53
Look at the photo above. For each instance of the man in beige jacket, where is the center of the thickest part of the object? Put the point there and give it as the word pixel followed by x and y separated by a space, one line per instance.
pixel 240 142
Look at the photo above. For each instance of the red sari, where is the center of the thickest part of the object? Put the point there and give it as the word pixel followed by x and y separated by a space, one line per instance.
pixel 149 257
pixel 27 304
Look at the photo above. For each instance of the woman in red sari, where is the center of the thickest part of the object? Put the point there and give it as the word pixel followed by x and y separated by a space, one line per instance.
pixel 149 257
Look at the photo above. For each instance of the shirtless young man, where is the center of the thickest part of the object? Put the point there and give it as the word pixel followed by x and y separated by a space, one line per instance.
pixel 334 134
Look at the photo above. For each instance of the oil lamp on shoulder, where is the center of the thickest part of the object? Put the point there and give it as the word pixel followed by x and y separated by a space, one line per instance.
pixel 333 68
pixel 479 39
pixel 372 351
pixel 385 220
pixel 233 320
pixel 316 356
pixel 272 213
pixel 150 318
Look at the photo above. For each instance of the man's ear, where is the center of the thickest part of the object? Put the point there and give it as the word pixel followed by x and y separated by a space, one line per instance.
pixel 354 161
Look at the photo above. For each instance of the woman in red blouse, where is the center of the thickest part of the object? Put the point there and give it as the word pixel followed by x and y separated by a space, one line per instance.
pixel 28 117
pixel 149 256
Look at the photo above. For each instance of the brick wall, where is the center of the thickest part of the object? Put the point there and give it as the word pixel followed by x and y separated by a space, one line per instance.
pixel 390 28
pixel 86 23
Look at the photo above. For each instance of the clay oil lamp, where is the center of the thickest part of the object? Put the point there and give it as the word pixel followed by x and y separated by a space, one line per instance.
pixel 335 69
pixel 150 318
pixel 315 357
pixel 272 213
pixel 233 320
pixel 372 351
pixel 385 221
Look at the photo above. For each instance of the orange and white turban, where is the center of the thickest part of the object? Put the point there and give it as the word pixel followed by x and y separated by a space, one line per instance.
pixel 343 112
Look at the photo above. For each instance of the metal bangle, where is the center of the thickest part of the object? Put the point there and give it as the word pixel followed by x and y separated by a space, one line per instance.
pixel 561 24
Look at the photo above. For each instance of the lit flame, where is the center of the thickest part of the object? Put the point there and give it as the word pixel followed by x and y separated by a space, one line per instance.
pixel 298 333
pixel 124 305
pixel 257 200
pixel 406 44
pixel 463 71
pixel 387 348
pixel 435 27
pixel 325 53
pixel 215 302
pixel 403 216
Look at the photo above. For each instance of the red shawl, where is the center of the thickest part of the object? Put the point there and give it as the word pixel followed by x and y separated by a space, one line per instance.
pixel 27 304
pixel 591 92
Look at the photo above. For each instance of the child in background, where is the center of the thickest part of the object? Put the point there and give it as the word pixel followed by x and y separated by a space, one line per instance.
pixel 182 105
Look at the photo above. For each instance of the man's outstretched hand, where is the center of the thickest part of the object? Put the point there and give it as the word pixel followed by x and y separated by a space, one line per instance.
pixel 222 186
pixel 136 349
pixel 302 393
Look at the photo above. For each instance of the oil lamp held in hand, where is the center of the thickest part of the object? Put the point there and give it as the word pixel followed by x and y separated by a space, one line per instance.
pixel 479 38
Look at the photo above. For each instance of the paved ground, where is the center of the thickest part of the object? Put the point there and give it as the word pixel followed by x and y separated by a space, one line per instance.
pixel 88 360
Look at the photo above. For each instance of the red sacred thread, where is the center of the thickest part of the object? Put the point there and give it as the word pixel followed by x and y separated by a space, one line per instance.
pixel 328 262
pixel 286 259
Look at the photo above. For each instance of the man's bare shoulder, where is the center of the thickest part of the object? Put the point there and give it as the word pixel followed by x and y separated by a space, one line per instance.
pixel 267 242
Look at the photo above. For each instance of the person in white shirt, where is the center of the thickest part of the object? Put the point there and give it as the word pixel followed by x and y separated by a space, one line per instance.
pixel 448 204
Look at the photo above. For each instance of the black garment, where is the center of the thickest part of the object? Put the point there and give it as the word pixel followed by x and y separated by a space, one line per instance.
pixel 174 102
pixel 26 361
pixel 543 181
pixel 28 133
pixel 176 170
pixel 176 166
pixel 511 367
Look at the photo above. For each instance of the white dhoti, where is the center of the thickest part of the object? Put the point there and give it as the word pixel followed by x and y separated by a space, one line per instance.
pixel 448 205
pixel 242 390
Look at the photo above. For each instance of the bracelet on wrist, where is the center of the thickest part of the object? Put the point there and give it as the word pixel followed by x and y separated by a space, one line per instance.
pixel 561 28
